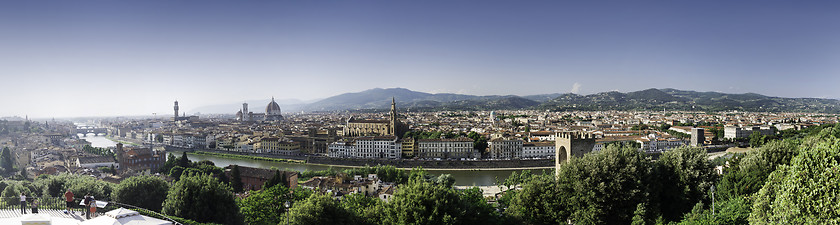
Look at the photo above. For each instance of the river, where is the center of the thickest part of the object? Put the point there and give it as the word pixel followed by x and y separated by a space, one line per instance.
pixel 98 141
pixel 462 177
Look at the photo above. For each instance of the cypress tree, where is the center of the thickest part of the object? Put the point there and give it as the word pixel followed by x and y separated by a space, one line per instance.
pixel 184 161
pixel 6 162
pixel 235 179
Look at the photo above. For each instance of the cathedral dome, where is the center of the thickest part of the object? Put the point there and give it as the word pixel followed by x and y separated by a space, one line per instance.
pixel 273 108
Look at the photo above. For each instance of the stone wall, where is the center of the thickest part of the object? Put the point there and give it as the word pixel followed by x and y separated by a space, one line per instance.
pixel 401 163
pixel 441 164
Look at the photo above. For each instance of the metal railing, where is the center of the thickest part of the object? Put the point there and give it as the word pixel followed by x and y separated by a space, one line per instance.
pixel 58 203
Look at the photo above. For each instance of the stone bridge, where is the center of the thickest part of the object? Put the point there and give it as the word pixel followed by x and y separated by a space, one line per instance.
pixel 84 130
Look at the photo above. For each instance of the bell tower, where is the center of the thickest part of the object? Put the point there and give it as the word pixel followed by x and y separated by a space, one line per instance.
pixel 393 120
pixel 176 111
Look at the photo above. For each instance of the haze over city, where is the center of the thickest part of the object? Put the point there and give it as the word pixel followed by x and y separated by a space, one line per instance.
pixel 101 58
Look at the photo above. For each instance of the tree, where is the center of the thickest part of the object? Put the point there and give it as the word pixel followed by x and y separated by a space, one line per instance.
pixel 176 172
pixel 684 176
pixel 184 161
pixel 54 185
pixel 751 172
pixel 202 198
pixel 12 193
pixel 730 211
pixel 420 202
pixel 81 185
pixel 605 187
pixel 640 216
pixel 236 179
pixel 171 161
pixel 756 139
pixel 278 178
pixel 476 209
pixel 6 161
pixel 806 190
pixel 445 179
pixel 265 206
pixel 539 202
pixel 368 210
pixel 320 209
pixel 146 192
pixel 479 141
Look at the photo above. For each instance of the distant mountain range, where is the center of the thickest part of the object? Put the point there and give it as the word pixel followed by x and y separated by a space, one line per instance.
pixel 672 99
pixel 650 99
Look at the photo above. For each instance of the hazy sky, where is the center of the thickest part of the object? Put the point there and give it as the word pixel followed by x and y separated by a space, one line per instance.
pixel 102 58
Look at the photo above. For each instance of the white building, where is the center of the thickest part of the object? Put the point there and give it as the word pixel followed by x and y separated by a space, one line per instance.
pixel 733 132
pixel 382 147
pixel 445 148
pixel 96 161
pixel 340 149
pixel 538 149
pixel 379 147
pixel 653 143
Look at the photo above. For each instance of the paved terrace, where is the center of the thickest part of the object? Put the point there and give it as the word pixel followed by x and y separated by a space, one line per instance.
pixel 52 206
pixel 12 213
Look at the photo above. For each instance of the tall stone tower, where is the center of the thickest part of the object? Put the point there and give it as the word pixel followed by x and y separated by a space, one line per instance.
pixel 697 137
pixel 571 144
pixel 393 120
pixel 245 115
pixel 176 111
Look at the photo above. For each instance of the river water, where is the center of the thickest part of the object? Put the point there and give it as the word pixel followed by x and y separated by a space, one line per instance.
pixel 462 177
pixel 98 141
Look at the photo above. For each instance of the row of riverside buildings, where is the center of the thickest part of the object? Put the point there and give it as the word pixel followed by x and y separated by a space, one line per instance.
pixel 390 147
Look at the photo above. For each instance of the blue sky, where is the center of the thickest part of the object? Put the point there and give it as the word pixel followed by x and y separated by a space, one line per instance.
pixel 104 58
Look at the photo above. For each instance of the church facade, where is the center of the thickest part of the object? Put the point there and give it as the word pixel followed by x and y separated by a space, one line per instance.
pixel 365 127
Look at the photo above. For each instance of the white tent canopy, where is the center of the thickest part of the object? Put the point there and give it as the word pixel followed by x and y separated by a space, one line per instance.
pixel 124 216
pixel 38 219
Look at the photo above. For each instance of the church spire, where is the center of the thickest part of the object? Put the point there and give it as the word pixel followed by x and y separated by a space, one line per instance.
pixel 393 123
pixel 393 108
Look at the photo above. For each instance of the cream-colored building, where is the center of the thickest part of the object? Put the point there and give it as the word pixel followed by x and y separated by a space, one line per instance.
pixel 277 145
pixel 505 149
pixel 409 147
pixel 445 148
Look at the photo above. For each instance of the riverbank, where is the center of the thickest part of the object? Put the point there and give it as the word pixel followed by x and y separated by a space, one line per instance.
pixel 114 139
pixel 460 165
pixel 234 156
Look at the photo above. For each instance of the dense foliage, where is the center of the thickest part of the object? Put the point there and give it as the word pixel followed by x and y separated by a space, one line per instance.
pixel 614 186
pixel 268 205
pixel 386 173
pixel 806 190
pixel 202 198
pixel 146 192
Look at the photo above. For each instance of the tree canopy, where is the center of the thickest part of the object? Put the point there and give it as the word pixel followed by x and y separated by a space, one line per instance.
pixel 202 198
pixel 146 192
pixel 805 191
